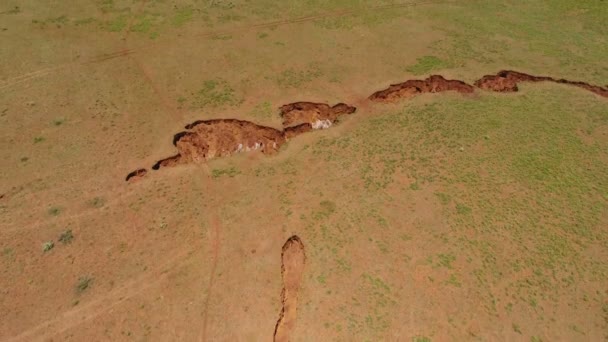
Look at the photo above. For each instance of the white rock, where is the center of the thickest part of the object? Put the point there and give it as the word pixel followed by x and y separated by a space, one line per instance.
pixel 321 124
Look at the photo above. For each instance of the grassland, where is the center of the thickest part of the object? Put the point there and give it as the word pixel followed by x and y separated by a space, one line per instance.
pixel 442 217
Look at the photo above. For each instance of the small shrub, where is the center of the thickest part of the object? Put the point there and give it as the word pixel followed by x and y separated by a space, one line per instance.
pixel 83 284
pixel 182 16
pixel 58 122
pixel 66 237
pixel 47 246
pixel 463 209
pixel 54 211
pixel 97 202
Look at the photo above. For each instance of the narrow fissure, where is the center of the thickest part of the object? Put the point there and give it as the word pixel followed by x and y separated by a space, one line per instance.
pixel 293 259
pixel 208 139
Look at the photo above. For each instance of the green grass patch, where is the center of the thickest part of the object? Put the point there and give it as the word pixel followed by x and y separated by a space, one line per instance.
pixel 182 16
pixel 117 24
pixel 54 211
pixel 215 93
pixel 293 78
pixel 426 64
pixel 230 172
pixel 83 284
pixel 66 237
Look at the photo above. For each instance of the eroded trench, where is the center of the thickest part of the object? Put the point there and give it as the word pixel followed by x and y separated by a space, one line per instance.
pixel 207 139
pixel 293 259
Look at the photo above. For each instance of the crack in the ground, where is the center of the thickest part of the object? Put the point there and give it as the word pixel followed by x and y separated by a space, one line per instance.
pixel 293 259
pixel 433 84
pixel 319 115
pixel 507 80
pixel 136 175
pixel 208 139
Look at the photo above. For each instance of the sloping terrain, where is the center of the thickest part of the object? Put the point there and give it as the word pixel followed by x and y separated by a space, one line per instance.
pixel 448 206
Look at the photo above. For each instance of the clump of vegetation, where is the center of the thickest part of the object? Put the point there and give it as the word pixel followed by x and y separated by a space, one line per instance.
pixel 54 211
pixel 230 172
pixel 215 93
pixel 463 209
pixel 421 339
pixel 142 26
pixel 97 202
pixel 83 283
pixel 58 122
pixel 296 78
pixel 66 237
pixel 14 10
pixel 426 64
pixel 326 209
pixel 117 24
pixel 58 21
pixel 182 16
pixel 47 246
pixel 38 140
pixel 263 110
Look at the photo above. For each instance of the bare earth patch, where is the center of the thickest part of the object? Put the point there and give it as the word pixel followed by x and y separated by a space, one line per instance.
pixel 293 259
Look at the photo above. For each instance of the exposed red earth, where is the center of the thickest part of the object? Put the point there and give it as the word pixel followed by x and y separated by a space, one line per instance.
pixel 293 260
pixel 433 84
pixel 208 139
pixel 507 80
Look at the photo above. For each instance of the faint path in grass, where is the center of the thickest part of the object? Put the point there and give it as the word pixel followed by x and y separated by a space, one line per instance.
pixel 24 78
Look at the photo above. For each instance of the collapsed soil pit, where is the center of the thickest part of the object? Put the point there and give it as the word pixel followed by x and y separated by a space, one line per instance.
pixel 136 175
pixel 318 115
pixel 208 139
pixel 507 80
pixel 220 138
pixel 293 259
pixel 433 84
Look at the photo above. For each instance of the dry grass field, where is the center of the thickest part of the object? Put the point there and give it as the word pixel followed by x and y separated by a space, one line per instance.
pixel 428 214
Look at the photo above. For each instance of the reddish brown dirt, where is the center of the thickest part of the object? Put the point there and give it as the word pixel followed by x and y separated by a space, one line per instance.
pixel 433 84
pixel 207 139
pixel 168 162
pixel 293 131
pixel 297 113
pixel 136 175
pixel 293 259
pixel 223 137
pixel 507 80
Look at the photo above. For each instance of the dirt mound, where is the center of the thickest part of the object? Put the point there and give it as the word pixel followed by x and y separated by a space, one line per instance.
pixel 207 139
pixel 318 115
pixel 219 138
pixel 433 84
pixel 507 80
pixel 293 259
pixel 136 175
